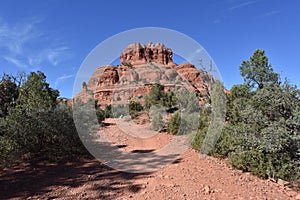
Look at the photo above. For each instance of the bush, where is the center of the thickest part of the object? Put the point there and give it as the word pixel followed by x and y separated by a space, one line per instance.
pixel 157 122
pixel 37 126
pixel 264 137
pixel 49 133
pixel 174 123
pixel 88 118
pixel 8 95
pixel 198 138
pixel 188 101
pixel 7 149
pixel 135 108
pixel 108 112
pixel 265 165
pixel 261 134
pixel 203 123
pixel 157 96
pixel 189 123
pixel 128 64
pixel 119 111
pixel 100 115
pixel 226 143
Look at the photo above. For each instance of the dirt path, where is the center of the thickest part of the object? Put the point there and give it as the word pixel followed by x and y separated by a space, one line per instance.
pixel 191 177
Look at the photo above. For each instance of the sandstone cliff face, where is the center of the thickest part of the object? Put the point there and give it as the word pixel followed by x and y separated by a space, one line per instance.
pixel 201 80
pixel 138 53
pixel 141 67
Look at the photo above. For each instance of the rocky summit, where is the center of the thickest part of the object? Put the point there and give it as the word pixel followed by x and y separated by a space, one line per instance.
pixel 138 53
pixel 141 66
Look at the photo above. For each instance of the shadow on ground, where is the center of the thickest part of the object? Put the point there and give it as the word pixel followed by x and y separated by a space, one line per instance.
pixel 25 180
pixel 80 178
pixel 76 179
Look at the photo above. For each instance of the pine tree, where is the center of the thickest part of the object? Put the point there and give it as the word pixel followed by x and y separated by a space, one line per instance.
pixel 257 71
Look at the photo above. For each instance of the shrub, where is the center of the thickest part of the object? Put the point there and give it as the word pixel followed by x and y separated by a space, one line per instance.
pixel 227 143
pixel 262 132
pixel 174 123
pixel 128 64
pixel 188 101
pixel 263 135
pixel 49 133
pixel 119 111
pixel 38 126
pixel 7 149
pixel 108 112
pixel 157 122
pixel 135 108
pixel 198 138
pixel 265 165
pixel 189 123
pixel 211 121
pixel 157 96
pixel 101 115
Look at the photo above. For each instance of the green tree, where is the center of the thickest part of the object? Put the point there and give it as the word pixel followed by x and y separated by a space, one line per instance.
pixel 257 71
pixel 37 125
pixel 36 92
pixel 262 132
pixel 8 95
pixel 155 96
pixel 9 91
pixel 237 100
pixel 266 134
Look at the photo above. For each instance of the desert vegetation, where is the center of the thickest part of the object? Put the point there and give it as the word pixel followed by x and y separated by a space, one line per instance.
pixel 255 125
pixel 262 132
pixel 33 123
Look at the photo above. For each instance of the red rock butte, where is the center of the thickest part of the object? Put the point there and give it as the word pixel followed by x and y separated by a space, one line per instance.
pixel 138 53
pixel 141 66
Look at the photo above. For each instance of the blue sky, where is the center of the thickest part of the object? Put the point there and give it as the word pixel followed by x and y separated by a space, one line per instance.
pixel 56 36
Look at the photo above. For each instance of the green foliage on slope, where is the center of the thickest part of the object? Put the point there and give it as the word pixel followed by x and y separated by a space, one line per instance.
pixel 37 126
pixel 262 130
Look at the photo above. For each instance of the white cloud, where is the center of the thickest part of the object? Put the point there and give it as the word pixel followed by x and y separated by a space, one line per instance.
pixel 241 5
pixel 270 13
pixel 15 61
pixel 24 44
pixel 61 79
pixel 54 56
pixel 15 37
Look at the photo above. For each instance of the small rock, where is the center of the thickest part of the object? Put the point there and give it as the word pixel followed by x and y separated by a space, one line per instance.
pixel 272 180
pixel 282 182
pixel 206 190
